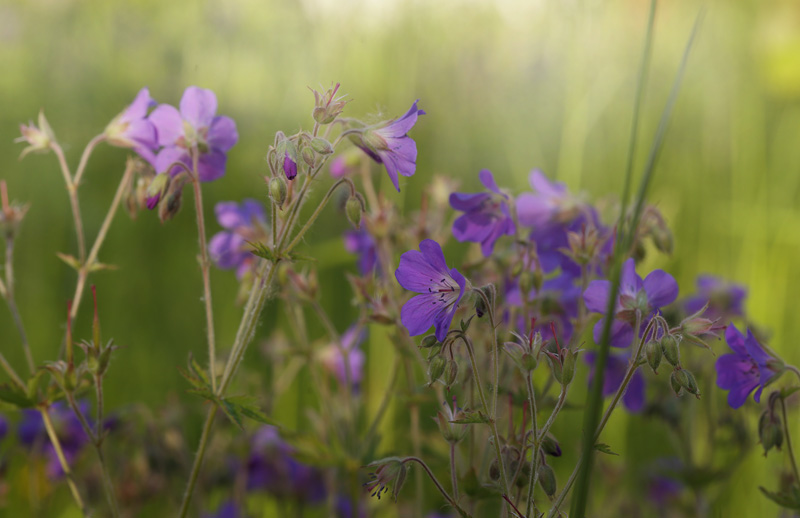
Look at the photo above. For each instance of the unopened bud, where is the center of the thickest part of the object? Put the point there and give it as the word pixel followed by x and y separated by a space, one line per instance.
pixel 353 209
pixel 308 157
pixel 769 431
pixel 670 348
pixel 428 342
pixel 494 471
pixel 436 369
pixel 547 479
pixel 526 282
pixel 321 146
pixel 677 381
pixel 550 446
pixel 277 190
pixel 287 157
pixel 451 373
pixel 158 186
pixel 653 352
pixel 689 383
pixel 568 368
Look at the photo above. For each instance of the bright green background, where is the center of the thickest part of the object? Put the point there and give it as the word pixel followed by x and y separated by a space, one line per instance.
pixel 508 87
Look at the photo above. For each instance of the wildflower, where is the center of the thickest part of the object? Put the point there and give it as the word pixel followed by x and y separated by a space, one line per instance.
pixel 555 301
pixel 616 367
pixel 243 222
pixel 425 271
pixel 194 129
pixel 333 358
pixel 38 137
pixel 550 203
pixel 486 215
pixel 345 163
pixel 656 291
pixel 724 299
pixel 452 432
pixel 361 243
pixel 389 472
pixel 388 143
pixel 31 430
pixel 132 129
pixel 749 367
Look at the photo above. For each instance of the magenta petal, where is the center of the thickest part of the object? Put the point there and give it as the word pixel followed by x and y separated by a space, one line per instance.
pixel 198 106
pixel 143 133
pixel 222 134
pixel 168 123
pixel 228 215
pixel 211 166
pixel 533 210
pixel 661 289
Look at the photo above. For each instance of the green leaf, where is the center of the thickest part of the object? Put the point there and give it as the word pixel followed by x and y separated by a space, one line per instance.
pixel 232 412
pixel 248 406
pixel 16 396
pixel 789 500
pixel 261 250
pixel 604 448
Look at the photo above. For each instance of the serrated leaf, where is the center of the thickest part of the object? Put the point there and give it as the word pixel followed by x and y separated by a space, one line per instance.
pixel 248 406
pixel 783 498
pixel 232 412
pixel 261 250
pixel 604 448
pixel 16 396
pixel 198 370
pixel 196 382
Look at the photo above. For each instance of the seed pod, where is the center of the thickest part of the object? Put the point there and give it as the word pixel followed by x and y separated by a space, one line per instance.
pixel 670 348
pixel 353 210
pixel 429 341
pixel 677 380
pixel 547 479
pixel 451 373
pixel 277 190
pixel 653 352
pixel 436 368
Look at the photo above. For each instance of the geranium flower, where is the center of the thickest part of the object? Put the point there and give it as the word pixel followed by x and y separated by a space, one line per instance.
pixel 195 126
pixel 486 215
pixel 246 222
pixel 388 143
pixel 656 291
pixel 725 299
pixel 425 271
pixel 550 203
pixel 616 367
pixel 361 243
pixel 748 368
pixel 31 430
pixel 333 357
pixel 132 129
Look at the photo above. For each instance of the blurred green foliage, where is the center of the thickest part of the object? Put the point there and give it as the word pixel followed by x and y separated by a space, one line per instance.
pixel 507 86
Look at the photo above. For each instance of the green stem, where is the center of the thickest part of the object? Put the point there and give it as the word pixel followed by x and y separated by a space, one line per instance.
pixel 317 212
pixel 51 433
pixel 453 470
pixel 789 449
pixel 12 303
pixel 436 482
pixel 536 441
pixel 198 461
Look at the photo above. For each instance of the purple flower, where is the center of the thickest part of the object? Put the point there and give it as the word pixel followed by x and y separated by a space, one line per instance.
pixel 747 368
pixel 725 299
pixel 31 430
pixel 272 467
pixel 227 509
pixel 362 243
pixel 662 490
pixel 556 301
pixel 388 143
pixel 486 215
pixel 3 427
pixel 656 291
pixel 244 222
pixel 441 289
pixel 132 129
pixel 333 358
pixel 550 203
pixel 196 126
pixel 616 367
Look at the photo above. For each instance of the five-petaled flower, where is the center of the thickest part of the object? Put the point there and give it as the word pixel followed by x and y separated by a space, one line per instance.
pixel 425 272
pixel 194 129
pixel 132 128
pixel 749 367
pixel 243 222
pixel 725 299
pixel 486 215
pixel 388 143
pixel 645 297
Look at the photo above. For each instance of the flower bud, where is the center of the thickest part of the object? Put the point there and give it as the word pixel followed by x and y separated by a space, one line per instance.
pixel 526 281
pixel 436 369
pixel 670 348
pixel 38 138
pixel 171 204
pixel 327 106
pixel 550 446
pixel 568 368
pixel 277 190
pixel 653 352
pixel 308 156
pixel 451 373
pixel 769 431
pixel 678 381
pixel 287 157
pixel 494 471
pixel 158 186
pixel 428 342
pixel 354 209
pixel 689 383
pixel 524 476
pixel 321 146
pixel 547 479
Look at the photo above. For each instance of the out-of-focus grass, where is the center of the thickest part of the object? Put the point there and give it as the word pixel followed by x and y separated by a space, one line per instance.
pixel 507 86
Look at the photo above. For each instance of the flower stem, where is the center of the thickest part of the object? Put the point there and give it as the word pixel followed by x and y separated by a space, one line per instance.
pixel 453 470
pixel 51 433
pixel 536 442
pixel 205 266
pixel 12 303
pixel 789 449
pixel 492 420
pixel 436 482
pixel 317 212
pixel 198 460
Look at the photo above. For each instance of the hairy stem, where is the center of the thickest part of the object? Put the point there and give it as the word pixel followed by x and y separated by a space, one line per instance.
pixel 198 461
pixel 436 482
pixel 51 433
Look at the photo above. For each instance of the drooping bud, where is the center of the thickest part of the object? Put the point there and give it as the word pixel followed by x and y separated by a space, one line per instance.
pixel 277 190
pixel 494 471
pixel 354 209
pixel 670 348
pixel 287 156
pixel 678 380
pixel 451 432
pixel 436 368
pixel 171 204
pixel 451 373
pixel 653 352
pixel 550 446
pixel 321 146
pixel 389 472
pixel 308 157
pixel 770 431
pixel 158 186
pixel 547 479
pixel 428 342
pixel 568 368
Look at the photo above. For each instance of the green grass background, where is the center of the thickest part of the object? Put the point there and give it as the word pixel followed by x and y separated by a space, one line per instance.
pixel 508 86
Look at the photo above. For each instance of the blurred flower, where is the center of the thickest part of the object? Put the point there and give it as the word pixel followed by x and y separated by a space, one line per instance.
pixel 31 430
pixel 486 215
pixel 725 299
pixel 3 427
pixel 345 163
pixel 196 126
pixel 227 509
pixel 390 471
pixel 345 508
pixel 272 468
pixel 747 368
pixel 132 129
pixel 657 290
pixel 550 203
pixel 244 222
pixel 362 243
pixel 388 143
pixel 426 272
pixel 662 490
pixel 556 301
pixel 38 137
pixel 616 367
pixel 333 357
